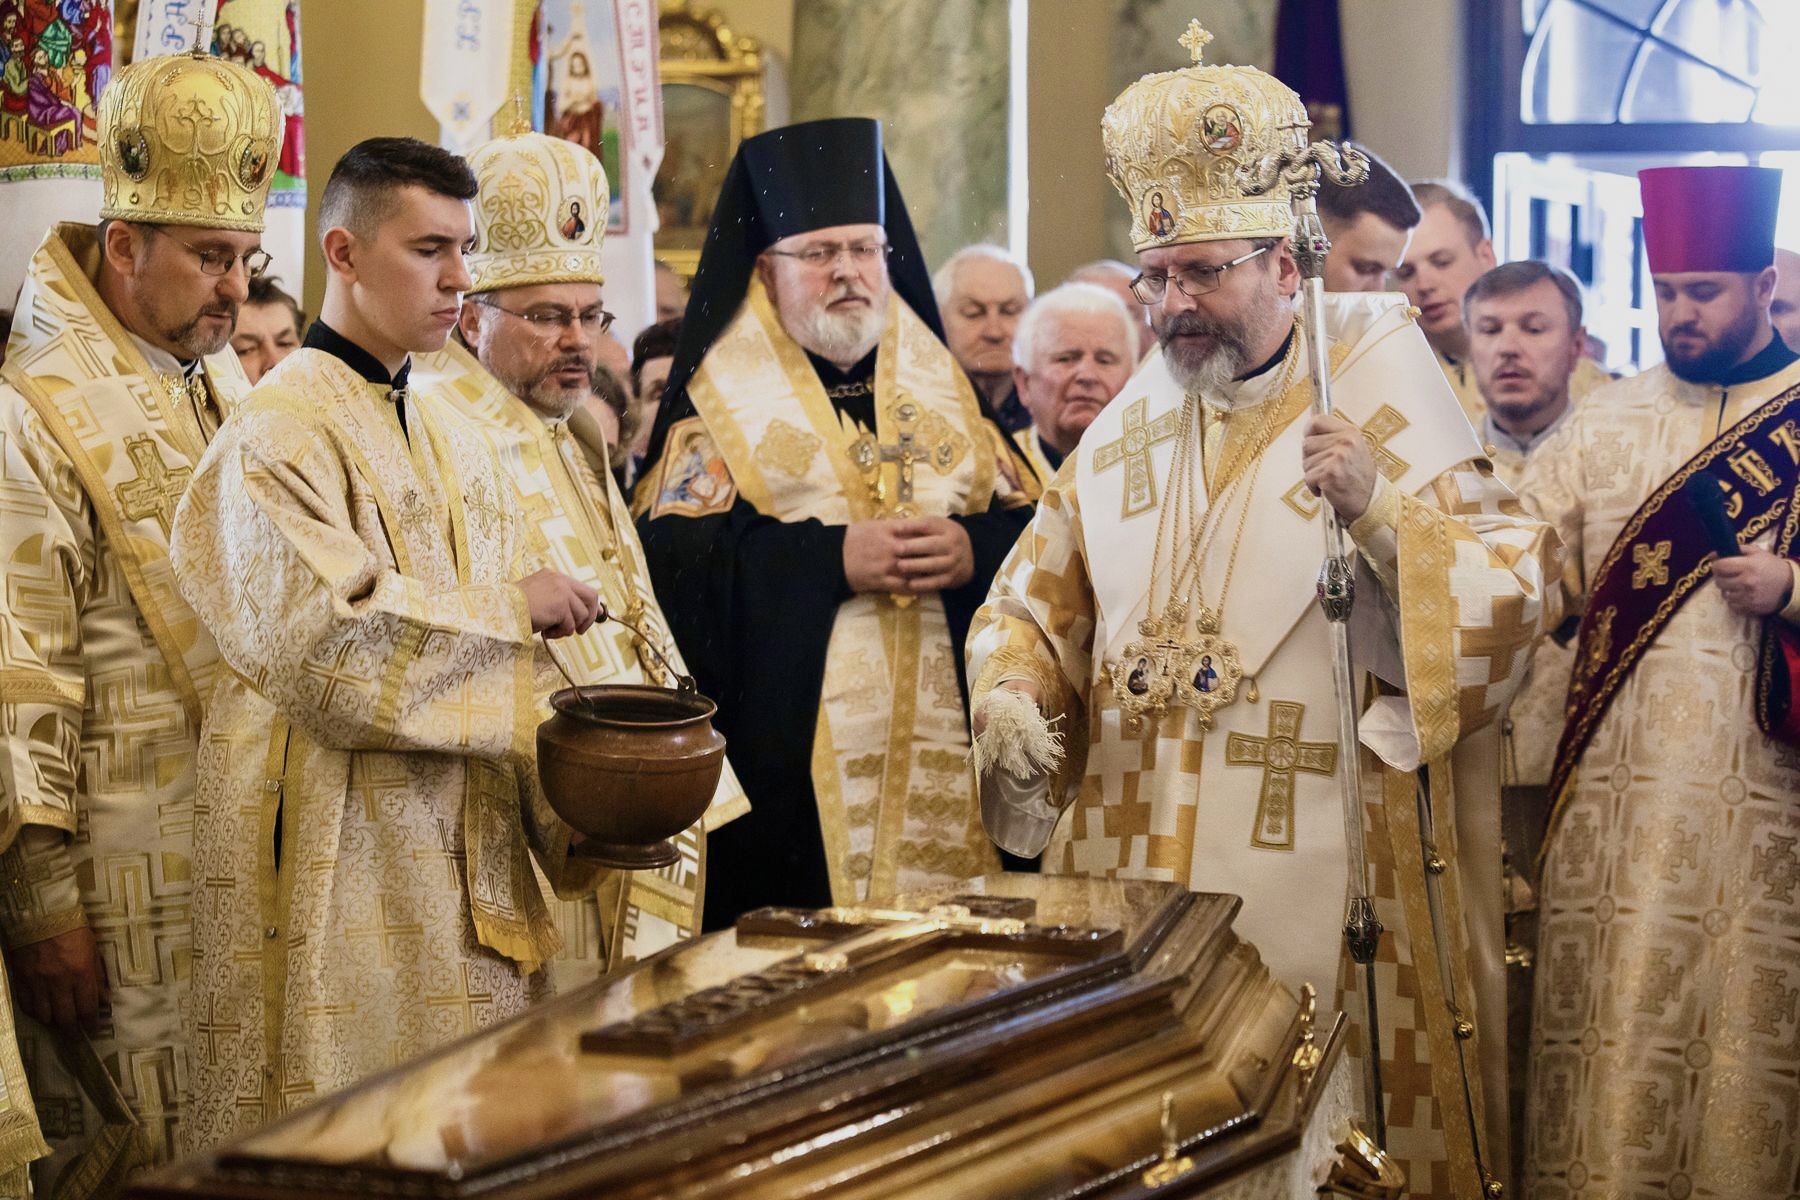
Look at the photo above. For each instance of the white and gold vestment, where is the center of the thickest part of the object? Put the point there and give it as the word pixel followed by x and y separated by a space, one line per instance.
pixel 106 673
pixel 1449 600
pixel 105 666
pixel 577 523
pixel 1665 1040
pixel 367 805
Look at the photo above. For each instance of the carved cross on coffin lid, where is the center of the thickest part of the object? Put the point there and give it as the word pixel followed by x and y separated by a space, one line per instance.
pixel 861 942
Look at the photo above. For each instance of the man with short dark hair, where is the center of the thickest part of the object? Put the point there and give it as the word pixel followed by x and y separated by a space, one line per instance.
pixel 119 370
pixel 1525 342
pixel 1369 226
pixel 1525 338
pixel 1668 916
pixel 1451 248
pixel 268 327
pixel 368 806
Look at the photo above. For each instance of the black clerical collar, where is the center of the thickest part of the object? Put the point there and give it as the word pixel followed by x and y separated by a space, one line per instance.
pixel 1051 454
pixel 859 379
pixel 1764 363
pixel 323 337
pixel 1274 359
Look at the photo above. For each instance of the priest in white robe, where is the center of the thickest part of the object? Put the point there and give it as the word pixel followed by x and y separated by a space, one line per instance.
pixel 519 371
pixel 118 372
pixel 367 808
pixel 1161 612
pixel 1665 1041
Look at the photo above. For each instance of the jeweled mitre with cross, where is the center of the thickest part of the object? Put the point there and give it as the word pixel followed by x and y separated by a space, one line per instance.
pixel 1177 143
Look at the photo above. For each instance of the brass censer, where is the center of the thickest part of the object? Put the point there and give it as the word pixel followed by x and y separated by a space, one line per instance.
pixel 629 765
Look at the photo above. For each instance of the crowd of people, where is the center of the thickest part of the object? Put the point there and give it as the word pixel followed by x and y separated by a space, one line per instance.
pixel 285 599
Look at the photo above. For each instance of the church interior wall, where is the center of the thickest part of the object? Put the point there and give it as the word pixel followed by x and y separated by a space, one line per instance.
pixel 1403 58
pixel 1407 72
pixel 362 80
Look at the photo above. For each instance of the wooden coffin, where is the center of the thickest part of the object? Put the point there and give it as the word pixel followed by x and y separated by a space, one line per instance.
pixel 1016 1036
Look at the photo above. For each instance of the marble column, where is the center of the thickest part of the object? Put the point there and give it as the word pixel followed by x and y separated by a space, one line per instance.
pixel 937 74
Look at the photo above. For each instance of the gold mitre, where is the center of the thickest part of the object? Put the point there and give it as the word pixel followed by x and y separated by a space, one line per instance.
pixel 1175 143
pixel 188 139
pixel 540 214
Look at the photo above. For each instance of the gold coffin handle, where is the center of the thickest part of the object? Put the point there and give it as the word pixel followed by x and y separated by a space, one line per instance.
pixel 1363 1170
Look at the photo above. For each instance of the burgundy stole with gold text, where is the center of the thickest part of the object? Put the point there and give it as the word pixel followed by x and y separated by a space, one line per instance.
pixel 1663 554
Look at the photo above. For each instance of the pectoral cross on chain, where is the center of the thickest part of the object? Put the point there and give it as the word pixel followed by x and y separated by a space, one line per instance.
pixel 907 453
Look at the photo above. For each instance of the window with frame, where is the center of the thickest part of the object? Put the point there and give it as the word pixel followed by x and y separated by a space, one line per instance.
pixel 1569 99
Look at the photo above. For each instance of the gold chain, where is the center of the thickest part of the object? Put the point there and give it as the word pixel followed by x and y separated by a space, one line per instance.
pixel 1257 442
pixel 1184 499
pixel 1236 541
pixel 562 445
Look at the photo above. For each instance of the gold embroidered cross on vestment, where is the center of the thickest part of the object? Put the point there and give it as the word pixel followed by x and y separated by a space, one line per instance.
pixel 157 489
pixel 1133 448
pixel 1281 754
pixel 1378 431
pixel 1650 564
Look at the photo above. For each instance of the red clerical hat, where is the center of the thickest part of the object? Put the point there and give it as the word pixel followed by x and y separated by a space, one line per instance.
pixel 1710 218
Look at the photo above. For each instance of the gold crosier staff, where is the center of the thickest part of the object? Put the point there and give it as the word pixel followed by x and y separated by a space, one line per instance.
pixel 1299 165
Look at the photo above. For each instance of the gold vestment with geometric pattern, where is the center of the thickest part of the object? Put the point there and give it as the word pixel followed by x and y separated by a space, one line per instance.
pixel 105 668
pixel 578 524
pixel 1665 1041
pixel 368 803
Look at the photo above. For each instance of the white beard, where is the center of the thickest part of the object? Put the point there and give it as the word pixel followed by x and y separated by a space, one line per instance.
pixel 840 337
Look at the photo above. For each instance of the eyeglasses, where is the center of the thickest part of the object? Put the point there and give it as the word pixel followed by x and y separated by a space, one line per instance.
pixel 1189 281
pixel 594 321
pixel 825 254
pixel 215 261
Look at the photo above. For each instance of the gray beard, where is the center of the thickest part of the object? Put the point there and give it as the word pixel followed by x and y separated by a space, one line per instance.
pixel 548 400
pixel 1209 374
pixel 193 344
pixel 840 338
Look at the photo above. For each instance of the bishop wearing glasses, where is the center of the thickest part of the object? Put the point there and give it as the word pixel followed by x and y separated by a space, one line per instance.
pixel 118 374
pixel 520 368
pixel 826 501
pixel 1161 616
